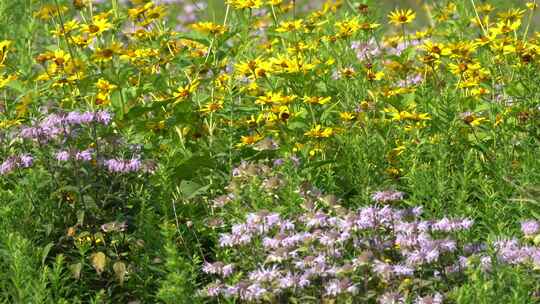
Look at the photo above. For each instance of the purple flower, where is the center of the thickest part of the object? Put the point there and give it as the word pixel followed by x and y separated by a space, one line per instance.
pixel 26 160
pixel 485 263
pixel 530 227
pixel 334 288
pixel 226 240
pixel 62 155
pixel 295 160
pixel 278 162
pixel 387 196
pixel 227 270
pixel 212 268
pixel 30 132
pixel 214 290
pixel 103 117
pixel 437 298
pixel 14 162
pixel 253 292
pixel 85 155
pixel 447 225
pixel 383 270
pixel 114 165
pixel 8 165
pixel 264 275
pixel 133 165
pixel 123 166
pixel 77 118
pixel 391 298
pixel 402 270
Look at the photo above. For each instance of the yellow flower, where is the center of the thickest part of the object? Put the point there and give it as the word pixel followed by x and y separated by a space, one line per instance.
pixel 274 98
pixel 81 40
pixel 435 49
pixel 102 98
pixel 406 115
pixel 420 35
pixel 5 124
pixel 290 26
pixel 472 119
pixel 348 72
pixel 479 91
pixel 485 8
pixel 348 27
pixel 48 11
pixel 103 54
pixel 284 64
pixel 242 4
pixel 319 132
pixel 511 15
pixel 505 27
pixel 369 26
pixel 4 81
pixel 182 93
pixel 68 27
pixel 256 68
pixel 531 5
pixel 105 86
pixel 346 116
pixel 463 49
pixel 315 151
pixel 4 49
pixel 209 27
pixel 98 26
pixel 316 100
pixel 371 75
pixel 212 107
pixel 138 12
pixel 393 172
pixel 249 140
pixel 400 17
pixel 478 121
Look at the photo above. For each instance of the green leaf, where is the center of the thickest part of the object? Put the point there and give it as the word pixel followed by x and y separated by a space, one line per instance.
pixel 191 189
pixel 45 252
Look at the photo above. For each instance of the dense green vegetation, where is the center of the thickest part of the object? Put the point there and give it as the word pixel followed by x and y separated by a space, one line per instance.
pixel 269 151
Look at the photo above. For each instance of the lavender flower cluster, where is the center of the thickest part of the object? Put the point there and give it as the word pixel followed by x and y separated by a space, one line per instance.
pixel 16 161
pixel 270 256
pixel 513 252
pixel 55 125
pixel 366 50
pixel 387 196
pixel 57 129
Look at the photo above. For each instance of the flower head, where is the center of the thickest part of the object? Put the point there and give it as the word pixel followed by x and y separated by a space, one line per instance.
pixel 400 17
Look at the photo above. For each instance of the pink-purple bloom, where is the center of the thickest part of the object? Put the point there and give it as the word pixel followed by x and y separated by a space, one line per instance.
pixel 387 196
pixel 16 161
pixel 530 227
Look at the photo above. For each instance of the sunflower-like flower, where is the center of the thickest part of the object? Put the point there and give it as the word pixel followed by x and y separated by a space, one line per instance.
pixel 400 17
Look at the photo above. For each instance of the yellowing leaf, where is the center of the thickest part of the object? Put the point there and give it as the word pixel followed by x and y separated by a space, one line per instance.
pixel 76 270
pixel 99 261
pixel 120 271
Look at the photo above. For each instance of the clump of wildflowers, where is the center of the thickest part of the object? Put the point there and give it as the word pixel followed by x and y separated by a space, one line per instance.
pixel 14 162
pixel 387 196
pixel 336 255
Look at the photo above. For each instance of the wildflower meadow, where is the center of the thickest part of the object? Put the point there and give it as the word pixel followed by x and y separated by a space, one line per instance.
pixel 269 151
